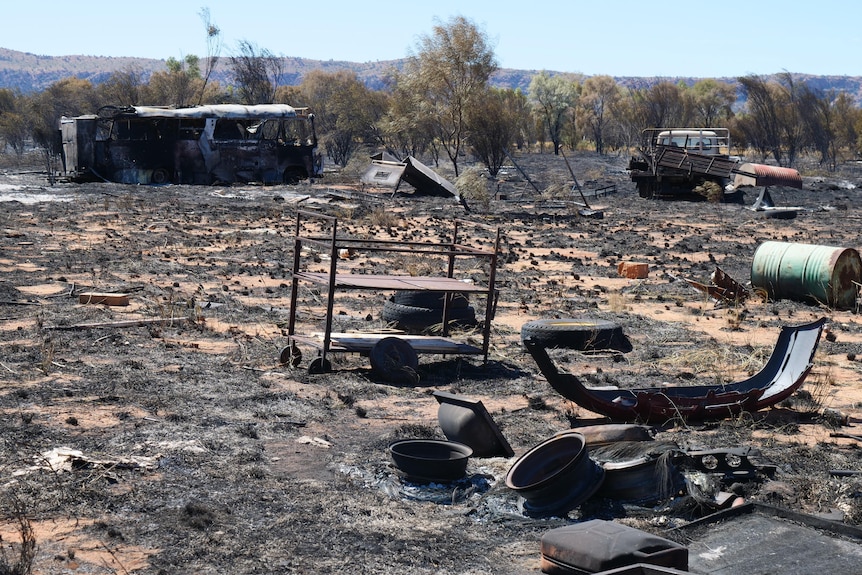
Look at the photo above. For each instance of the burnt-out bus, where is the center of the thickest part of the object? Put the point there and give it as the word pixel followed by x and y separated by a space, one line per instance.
pixel 225 143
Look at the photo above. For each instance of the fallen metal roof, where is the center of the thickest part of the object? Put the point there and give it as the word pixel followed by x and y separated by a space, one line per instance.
pixel 384 172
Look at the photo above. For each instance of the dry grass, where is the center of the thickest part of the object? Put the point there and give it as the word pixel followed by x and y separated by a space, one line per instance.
pixel 723 362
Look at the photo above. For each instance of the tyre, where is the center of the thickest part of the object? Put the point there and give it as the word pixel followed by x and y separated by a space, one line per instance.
pixel 161 176
pixel 395 361
pixel 414 319
pixel 429 299
pixel 579 334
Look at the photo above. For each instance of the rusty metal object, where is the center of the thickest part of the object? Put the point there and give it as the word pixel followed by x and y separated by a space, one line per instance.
pixel 555 476
pixel 749 174
pixel 805 272
pixel 467 421
pixel 786 370
pixel 723 288
pixel 269 143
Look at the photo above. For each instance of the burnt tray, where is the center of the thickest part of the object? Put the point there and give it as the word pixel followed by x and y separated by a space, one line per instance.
pixel 760 539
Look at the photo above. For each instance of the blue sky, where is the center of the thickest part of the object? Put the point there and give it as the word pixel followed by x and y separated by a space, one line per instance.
pixel 618 38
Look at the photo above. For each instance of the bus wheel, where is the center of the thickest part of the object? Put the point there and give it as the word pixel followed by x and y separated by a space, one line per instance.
pixel 293 175
pixel 160 176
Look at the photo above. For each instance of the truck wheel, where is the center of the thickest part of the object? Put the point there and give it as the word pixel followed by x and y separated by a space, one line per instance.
pixel 580 334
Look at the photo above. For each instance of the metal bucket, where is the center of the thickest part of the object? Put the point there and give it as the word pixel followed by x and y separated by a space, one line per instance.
pixel 806 272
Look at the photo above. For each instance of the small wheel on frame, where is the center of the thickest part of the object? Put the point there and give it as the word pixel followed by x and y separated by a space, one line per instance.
pixel 319 365
pixel 290 355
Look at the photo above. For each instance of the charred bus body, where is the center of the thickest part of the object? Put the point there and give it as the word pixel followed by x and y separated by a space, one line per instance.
pixel 225 143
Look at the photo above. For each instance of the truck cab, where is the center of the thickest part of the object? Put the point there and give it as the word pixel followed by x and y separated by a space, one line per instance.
pixel 708 142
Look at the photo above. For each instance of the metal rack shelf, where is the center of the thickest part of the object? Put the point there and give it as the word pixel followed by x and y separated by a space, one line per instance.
pixel 326 341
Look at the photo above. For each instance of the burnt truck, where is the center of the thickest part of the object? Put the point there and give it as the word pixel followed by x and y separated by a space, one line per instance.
pixel 224 143
pixel 696 163
pixel 682 162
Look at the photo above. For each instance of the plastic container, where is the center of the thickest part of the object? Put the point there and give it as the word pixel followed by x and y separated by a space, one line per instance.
pixel 598 545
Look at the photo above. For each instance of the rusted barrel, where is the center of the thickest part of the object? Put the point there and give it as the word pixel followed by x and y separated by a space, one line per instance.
pixel 806 272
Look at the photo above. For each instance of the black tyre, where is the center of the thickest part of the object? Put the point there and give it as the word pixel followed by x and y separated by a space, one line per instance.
pixel 161 176
pixel 395 361
pixel 580 334
pixel 420 319
pixel 429 299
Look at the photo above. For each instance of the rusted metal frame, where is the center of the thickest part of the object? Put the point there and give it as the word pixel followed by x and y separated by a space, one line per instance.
pixel 294 283
pixel 330 296
pixel 491 303
pixel 450 273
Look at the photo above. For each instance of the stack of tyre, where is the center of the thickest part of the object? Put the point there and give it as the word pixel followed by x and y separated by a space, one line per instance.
pixel 421 312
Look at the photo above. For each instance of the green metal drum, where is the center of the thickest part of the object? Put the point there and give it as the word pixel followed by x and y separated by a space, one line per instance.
pixel 805 272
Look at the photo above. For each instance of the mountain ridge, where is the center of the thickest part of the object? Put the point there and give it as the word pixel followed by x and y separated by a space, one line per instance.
pixel 27 72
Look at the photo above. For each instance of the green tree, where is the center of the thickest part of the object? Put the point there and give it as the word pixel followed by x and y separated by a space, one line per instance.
pixel 451 68
pixel 178 85
pixel 403 131
pixel 346 111
pixel 712 102
pixel 553 99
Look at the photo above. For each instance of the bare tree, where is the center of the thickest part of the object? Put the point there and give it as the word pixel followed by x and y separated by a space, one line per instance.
pixel 493 122
pixel 761 122
pixel 214 46
pixel 598 100
pixel 124 87
pixel 257 73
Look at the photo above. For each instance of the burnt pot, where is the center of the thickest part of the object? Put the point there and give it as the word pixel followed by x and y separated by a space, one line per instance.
pixel 430 459
pixel 555 476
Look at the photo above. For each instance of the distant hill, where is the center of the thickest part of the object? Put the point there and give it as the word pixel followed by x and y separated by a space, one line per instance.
pixel 33 73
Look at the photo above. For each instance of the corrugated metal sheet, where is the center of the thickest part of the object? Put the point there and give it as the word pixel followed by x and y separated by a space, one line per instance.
pixel 762 175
